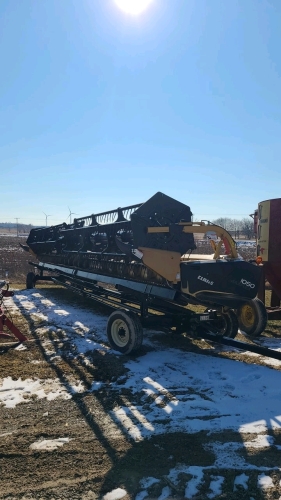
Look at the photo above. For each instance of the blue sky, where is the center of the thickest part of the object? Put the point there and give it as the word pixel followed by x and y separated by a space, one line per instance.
pixel 100 109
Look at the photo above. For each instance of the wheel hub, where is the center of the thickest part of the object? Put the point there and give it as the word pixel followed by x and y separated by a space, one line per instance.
pixel 247 316
pixel 120 332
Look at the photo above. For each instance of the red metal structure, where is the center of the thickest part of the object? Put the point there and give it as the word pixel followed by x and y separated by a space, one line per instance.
pixel 4 320
pixel 268 231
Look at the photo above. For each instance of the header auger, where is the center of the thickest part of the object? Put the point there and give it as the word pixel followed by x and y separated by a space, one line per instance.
pixel 146 253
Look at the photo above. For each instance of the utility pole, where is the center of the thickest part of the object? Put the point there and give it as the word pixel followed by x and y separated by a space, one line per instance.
pixel 17 219
pixel 47 215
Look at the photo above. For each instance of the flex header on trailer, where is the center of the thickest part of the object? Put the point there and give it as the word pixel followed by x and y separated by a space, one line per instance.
pixel 146 253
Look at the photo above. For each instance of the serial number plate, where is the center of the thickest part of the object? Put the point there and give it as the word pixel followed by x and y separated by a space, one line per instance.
pixel 204 318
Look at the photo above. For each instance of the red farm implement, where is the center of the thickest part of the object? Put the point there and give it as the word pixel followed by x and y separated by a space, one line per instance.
pixel 4 320
pixel 267 227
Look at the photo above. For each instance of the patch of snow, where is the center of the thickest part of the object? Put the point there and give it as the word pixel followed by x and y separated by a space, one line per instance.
pixel 215 486
pixel 78 326
pixel 241 480
pixel 265 482
pixel 261 441
pixel 61 312
pixel 192 486
pixel 122 415
pixel 146 482
pixel 228 456
pixel 212 405
pixel 13 392
pixel 115 494
pixel 174 473
pixel 96 386
pixel 48 444
pixel 141 495
pixel 165 493
pixel 21 347
pixel 254 427
pixel 47 302
pixel 77 388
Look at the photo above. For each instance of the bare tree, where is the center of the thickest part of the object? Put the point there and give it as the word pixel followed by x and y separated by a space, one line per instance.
pixel 237 227
pixel 224 222
pixel 247 227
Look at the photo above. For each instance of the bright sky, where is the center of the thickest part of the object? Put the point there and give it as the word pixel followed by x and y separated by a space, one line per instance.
pixel 100 108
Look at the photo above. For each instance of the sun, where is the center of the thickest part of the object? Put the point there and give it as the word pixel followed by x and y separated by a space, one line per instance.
pixel 133 7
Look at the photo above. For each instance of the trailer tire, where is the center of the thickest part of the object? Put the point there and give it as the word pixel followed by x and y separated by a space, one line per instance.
pixel 252 317
pixel 228 324
pixel 30 280
pixel 124 331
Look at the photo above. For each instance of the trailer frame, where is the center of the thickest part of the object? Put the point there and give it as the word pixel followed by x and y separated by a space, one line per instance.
pixel 153 305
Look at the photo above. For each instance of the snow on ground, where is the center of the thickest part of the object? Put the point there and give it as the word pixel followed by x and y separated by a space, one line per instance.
pixel 116 494
pixel 265 481
pixel 49 444
pixel 177 391
pixel 241 481
pixel 13 392
pixel 228 392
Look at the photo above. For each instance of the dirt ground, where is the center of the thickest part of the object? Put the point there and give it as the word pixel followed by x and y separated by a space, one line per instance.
pixel 13 259
pixel 99 457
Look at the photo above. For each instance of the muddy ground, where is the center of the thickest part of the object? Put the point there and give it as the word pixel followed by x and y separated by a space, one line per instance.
pixel 100 457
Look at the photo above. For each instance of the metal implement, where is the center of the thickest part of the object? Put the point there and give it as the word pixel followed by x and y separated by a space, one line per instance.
pixel 147 252
pixel 267 229
pixel 4 320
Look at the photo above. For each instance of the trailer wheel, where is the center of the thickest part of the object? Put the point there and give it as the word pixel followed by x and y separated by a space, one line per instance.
pixel 252 317
pixel 124 331
pixel 30 280
pixel 227 325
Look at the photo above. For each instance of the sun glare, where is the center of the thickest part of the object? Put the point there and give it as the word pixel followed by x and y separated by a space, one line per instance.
pixel 133 7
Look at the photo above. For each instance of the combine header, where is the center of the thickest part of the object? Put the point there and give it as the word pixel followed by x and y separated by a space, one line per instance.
pixel 140 261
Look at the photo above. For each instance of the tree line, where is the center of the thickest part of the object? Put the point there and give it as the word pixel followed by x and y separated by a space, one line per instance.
pixel 22 228
pixel 238 228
